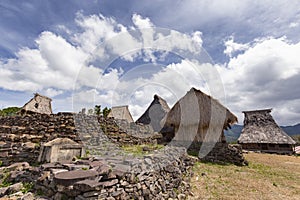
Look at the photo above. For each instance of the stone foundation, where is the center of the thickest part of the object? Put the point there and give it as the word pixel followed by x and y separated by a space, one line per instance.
pixel 224 153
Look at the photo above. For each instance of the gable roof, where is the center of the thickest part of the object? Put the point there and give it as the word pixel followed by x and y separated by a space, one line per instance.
pixel 260 127
pixel 156 111
pixel 121 112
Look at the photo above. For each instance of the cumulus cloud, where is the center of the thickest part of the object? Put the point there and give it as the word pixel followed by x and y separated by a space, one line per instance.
pixel 79 61
pixel 261 73
pixel 266 75
pixel 53 64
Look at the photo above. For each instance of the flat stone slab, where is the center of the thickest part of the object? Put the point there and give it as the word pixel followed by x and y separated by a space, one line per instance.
pixel 57 171
pixel 48 166
pixel 18 166
pixel 97 163
pixel 87 185
pixel 120 170
pixel 71 177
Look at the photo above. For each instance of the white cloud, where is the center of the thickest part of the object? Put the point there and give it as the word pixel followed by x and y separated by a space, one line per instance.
pixel 294 25
pixel 261 73
pixel 60 55
pixel 50 92
pixel 265 75
pixel 233 47
pixel 96 29
pixel 54 63
pixel 257 18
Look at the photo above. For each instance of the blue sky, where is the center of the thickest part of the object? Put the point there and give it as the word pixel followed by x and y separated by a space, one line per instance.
pixel 48 47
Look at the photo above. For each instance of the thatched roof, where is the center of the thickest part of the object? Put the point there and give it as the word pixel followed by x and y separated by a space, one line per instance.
pixel 200 112
pixel 38 104
pixel 260 127
pixel 121 112
pixel 156 111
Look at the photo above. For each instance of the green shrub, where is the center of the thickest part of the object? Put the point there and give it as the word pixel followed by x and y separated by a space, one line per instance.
pixel 10 111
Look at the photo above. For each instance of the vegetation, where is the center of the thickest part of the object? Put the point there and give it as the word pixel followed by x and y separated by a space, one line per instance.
pixel 27 187
pixel 268 176
pixel 105 112
pixel 4 180
pixel 99 112
pixel 10 111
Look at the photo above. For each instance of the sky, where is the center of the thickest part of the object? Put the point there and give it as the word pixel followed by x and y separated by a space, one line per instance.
pixel 82 53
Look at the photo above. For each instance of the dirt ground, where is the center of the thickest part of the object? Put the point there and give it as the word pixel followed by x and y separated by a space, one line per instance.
pixel 268 176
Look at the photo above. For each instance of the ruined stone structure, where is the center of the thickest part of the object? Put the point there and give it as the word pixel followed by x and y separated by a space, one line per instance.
pixel 261 133
pixel 161 175
pixel 38 104
pixel 22 136
pixel 107 172
pixel 156 111
pixel 120 112
pixel 60 149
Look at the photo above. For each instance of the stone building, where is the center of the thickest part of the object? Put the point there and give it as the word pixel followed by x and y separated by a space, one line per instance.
pixel 121 112
pixel 261 133
pixel 156 111
pixel 38 104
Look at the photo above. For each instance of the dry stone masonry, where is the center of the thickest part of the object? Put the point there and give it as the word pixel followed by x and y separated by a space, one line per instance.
pixel 161 175
pixel 22 136
pixel 104 172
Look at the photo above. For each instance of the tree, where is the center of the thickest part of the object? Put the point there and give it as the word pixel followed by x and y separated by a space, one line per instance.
pixel 97 110
pixel 105 112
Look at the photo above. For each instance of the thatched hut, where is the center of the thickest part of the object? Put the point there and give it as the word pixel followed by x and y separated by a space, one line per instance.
pixel 261 133
pixel 197 118
pixel 156 111
pixel 121 112
pixel 38 104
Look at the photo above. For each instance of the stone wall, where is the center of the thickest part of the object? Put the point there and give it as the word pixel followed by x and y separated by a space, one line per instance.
pixel 224 153
pixel 163 174
pixel 22 136
pixel 124 132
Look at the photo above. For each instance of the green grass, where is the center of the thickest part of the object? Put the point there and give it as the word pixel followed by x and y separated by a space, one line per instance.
pixel 5 182
pixel 27 187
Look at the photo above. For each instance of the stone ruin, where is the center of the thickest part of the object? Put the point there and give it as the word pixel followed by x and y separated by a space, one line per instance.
pixel 102 170
pixel 111 174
